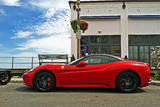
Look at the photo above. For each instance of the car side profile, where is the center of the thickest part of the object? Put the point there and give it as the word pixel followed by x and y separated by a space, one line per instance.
pixel 93 71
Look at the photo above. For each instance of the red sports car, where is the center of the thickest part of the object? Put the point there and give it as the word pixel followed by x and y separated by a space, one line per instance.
pixel 95 71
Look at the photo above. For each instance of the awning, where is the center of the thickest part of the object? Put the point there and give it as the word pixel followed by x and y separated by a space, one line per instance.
pixel 100 17
pixel 144 16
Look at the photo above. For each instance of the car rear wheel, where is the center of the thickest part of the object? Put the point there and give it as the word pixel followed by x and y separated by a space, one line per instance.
pixel 44 81
pixel 127 82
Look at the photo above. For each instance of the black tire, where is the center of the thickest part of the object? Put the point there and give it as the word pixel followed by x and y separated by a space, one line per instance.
pixel 5 78
pixel 127 82
pixel 44 81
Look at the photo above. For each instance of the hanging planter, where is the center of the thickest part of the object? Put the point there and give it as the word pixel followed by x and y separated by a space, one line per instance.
pixel 83 25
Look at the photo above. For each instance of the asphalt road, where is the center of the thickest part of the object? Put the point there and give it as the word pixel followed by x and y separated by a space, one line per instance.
pixel 18 95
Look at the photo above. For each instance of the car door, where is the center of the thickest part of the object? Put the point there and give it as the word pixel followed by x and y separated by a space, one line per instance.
pixel 94 73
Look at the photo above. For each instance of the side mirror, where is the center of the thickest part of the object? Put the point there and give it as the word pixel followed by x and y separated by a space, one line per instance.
pixel 81 63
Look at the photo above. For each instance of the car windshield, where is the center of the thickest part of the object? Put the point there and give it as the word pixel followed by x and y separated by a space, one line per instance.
pixel 77 60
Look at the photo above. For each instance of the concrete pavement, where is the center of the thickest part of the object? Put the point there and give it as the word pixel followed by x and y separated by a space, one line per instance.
pixel 19 95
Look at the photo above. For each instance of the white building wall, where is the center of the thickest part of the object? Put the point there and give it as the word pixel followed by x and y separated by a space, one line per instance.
pixel 143 8
pixel 100 9
pixel 124 26
pixel 103 27
pixel 144 26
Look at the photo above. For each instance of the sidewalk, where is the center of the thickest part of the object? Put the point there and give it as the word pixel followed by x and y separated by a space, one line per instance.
pixel 20 80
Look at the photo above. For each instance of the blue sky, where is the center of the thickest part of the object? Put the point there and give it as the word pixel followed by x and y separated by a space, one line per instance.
pixel 31 27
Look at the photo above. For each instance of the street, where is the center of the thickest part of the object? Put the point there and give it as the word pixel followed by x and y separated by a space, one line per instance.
pixel 18 95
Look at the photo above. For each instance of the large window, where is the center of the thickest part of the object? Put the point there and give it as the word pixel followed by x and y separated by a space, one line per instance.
pixel 140 46
pixel 102 44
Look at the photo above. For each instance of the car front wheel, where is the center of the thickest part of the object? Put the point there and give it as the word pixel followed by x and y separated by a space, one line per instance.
pixel 127 82
pixel 5 78
pixel 44 81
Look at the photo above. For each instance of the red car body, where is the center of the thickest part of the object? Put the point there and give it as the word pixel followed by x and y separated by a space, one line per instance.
pixel 97 76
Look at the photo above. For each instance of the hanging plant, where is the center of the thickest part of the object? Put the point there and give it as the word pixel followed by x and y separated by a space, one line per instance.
pixel 83 25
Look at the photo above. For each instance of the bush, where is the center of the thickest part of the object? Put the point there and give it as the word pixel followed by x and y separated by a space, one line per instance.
pixel 72 58
pixel 156 76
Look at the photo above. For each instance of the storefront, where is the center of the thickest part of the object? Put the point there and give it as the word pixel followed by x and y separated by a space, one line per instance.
pixel 120 28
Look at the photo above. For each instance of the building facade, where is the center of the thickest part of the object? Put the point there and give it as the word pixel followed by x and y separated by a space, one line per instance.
pixel 119 27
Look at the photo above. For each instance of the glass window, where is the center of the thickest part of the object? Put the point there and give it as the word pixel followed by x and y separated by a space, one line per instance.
pixel 154 40
pixel 144 54
pixel 84 40
pixel 105 39
pixel 104 44
pixel 116 50
pixel 94 50
pixel 104 50
pixel 93 60
pixel 133 53
pixel 133 40
pixel 108 59
pixel 116 39
pixel 140 45
pixel 94 39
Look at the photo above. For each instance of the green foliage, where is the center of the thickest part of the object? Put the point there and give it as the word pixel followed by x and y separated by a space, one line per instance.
pixel 72 58
pixel 74 25
pixel 156 76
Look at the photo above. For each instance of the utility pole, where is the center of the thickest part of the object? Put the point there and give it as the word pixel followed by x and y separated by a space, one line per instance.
pixel 78 34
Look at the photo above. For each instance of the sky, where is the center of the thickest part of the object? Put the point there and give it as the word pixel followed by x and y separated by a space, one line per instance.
pixel 32 27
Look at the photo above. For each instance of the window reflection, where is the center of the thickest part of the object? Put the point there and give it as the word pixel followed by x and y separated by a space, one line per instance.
pixel 140 45
pixel 104 44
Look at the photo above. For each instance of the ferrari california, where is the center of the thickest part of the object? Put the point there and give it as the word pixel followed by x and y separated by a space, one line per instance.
pixel 93 71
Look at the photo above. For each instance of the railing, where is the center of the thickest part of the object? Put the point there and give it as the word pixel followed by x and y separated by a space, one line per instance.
pixel 30 62
pixel 53 59
pixel 18 62
pixel 20 65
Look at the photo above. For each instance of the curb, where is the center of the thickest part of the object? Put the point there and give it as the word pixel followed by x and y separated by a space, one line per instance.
pixel 157 83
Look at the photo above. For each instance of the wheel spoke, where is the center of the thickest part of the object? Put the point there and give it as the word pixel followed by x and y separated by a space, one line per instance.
pixel 127 81
pixel 45 81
